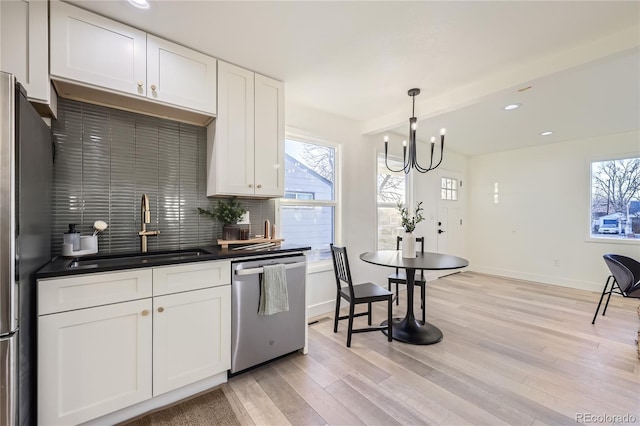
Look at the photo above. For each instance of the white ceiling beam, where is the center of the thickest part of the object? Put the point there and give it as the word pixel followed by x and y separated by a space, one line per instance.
pixel 514 77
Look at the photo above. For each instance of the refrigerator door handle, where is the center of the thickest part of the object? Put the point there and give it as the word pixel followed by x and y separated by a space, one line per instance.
pixel 16 264
pixel 8 299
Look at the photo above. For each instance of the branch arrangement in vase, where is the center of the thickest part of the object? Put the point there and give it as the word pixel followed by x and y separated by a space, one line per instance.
pixel 409 223
pixel 228 213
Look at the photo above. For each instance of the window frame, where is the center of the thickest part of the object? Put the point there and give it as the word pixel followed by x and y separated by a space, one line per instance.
pixel 336 203
pixel 408 188
pixel 605 238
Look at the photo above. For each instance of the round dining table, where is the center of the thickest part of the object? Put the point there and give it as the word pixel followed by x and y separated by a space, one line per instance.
pixel 408 329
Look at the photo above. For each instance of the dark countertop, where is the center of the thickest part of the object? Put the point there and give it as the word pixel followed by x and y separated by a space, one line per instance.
pixel 61 266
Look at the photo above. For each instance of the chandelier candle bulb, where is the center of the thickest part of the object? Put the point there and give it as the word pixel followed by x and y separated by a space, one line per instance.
pixel 386 146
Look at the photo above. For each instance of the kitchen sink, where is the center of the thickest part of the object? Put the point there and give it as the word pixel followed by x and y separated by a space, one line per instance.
pixel 137 258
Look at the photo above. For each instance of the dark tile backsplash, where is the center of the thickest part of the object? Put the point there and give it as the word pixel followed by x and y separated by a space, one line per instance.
pixel 107 158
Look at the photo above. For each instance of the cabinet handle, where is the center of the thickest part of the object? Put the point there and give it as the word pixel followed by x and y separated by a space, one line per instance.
pixel 160 309
pixel 145 313
pixel 259 186
pixel 250 185
pixel 140 84
pixel 153 87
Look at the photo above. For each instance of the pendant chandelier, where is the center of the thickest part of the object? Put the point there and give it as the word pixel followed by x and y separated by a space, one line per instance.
pixel 412 161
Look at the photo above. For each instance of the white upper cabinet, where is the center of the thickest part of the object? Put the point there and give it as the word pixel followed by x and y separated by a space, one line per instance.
pixel 247 149
pixel 180 76
pixel 24 31
pixel 269 136
pixel 103 61
pixel 91 49
pixel 234 138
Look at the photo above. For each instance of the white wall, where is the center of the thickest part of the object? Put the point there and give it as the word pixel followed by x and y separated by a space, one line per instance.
pixel 539 229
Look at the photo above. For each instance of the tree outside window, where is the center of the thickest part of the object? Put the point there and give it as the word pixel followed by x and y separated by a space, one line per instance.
pixel 615 198
pixel 391 189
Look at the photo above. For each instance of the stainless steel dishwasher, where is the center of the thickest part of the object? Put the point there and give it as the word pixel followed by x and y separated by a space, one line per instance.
pixel 258 338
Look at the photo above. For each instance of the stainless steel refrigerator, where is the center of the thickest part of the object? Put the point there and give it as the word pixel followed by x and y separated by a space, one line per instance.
pixel 26 166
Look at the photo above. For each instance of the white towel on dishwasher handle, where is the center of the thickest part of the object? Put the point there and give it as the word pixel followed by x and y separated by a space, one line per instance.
pixel 274 297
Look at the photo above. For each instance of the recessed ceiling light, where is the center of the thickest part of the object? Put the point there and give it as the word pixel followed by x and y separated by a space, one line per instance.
pixel 547 133
pixel 511 107
pixel 140 4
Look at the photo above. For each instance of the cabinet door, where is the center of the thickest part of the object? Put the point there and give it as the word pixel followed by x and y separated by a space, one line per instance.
pixel 234 140
pixel 91 49
pixel 25 45
pixel 269 137
pixel 180 76
pixel 94 361
pixel 191 337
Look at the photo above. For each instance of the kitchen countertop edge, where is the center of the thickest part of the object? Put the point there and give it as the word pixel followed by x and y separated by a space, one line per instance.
pixel 59 266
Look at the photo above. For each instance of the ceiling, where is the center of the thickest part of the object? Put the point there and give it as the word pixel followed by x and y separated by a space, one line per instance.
pixel 469 58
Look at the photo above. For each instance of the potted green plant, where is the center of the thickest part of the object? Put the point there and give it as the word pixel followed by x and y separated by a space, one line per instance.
pixel 409 224
pixel 228 213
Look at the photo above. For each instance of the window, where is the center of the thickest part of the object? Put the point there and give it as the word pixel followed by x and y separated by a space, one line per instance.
pixel 448 189
pixel 299 195
pixel 308 209
pixel 615 198
pixel 391 190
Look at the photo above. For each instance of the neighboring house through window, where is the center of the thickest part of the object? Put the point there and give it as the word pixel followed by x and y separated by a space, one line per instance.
pixel 308 209
pixel 615 198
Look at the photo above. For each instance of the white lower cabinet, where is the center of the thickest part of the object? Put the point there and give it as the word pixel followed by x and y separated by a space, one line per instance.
pixel 190 335
pixel 99 353
pixel 93 361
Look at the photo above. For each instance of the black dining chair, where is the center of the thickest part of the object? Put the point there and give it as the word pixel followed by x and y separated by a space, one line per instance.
pixel 624 278
pixel 400 277
pixel 357 294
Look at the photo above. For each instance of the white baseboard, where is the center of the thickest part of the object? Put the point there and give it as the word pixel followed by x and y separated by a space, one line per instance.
pixel 159 401
pixel 545 279
pixel 321 308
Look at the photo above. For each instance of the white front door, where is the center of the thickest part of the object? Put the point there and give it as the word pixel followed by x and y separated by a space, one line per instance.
pixel 449 220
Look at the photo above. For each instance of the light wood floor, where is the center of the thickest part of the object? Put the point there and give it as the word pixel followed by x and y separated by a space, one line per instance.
pixel 513 352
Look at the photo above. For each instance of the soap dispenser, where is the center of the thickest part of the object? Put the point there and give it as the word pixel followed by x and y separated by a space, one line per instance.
pixel 72 236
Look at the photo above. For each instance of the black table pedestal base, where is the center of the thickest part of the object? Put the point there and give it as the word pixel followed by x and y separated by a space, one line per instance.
pixel 413 331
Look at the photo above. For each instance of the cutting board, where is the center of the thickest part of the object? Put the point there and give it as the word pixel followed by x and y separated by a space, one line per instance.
pixel 225 243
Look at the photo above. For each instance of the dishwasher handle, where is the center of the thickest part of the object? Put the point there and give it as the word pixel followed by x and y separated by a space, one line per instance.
pixel 253 271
